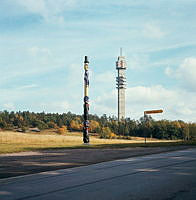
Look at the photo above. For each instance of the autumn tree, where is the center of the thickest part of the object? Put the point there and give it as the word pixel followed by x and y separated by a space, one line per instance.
pixel 76 124
pixel 94 126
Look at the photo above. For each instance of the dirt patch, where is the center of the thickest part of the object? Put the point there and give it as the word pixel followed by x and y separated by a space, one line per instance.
pixel 17 164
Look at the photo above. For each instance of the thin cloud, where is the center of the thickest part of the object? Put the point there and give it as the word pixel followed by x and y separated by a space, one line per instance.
pixel 106 77
pixel 49 10
pixel 52 107
pixel 185 73
pixel 176 104
pixel 153 31
pixel 24 87
pixel 9 106
pixel 36 51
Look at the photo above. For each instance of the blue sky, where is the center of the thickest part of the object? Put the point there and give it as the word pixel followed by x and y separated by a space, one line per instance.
pixel 43 42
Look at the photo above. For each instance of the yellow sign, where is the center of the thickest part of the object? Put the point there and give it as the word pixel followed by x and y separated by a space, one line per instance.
pixel 153 111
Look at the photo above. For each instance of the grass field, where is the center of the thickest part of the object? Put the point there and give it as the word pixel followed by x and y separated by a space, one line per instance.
pixel 17 142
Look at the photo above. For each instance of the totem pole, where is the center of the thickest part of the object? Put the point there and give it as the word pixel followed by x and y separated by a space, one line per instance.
pixel 86 102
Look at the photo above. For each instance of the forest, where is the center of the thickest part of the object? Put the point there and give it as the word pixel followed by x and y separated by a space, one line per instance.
pixel 106 127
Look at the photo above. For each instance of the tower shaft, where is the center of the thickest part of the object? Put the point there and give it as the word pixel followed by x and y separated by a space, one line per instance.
pixel 121 100
pixel 121 83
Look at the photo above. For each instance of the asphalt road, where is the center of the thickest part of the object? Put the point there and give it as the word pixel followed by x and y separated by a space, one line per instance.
pixel 23 163
pixel 168 176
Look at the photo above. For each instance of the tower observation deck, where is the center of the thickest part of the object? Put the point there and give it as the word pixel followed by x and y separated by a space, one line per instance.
pixel 121 66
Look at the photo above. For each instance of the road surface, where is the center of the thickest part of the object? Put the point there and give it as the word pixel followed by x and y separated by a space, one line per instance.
pixel 167 176
pixel 23 163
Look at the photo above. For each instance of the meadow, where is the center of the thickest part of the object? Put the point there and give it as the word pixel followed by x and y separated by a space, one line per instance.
pixel 17 142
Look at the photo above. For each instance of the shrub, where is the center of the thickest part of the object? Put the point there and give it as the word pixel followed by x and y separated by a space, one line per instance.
pixel 62 130
pixel 52 125
pixel 40 124
pixel 24 129
pixel 113 136
pixel 107 133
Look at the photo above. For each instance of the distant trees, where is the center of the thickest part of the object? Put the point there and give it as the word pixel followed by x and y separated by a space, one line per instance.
pixel 192 131
pixel 107 127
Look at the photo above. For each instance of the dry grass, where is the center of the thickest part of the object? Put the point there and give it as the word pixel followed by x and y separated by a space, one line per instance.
pixel 15 142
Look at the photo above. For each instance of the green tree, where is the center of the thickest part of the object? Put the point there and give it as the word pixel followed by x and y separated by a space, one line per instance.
pixel 106 133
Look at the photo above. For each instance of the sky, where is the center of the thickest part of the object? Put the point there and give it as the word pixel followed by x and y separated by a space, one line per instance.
pixel 43 44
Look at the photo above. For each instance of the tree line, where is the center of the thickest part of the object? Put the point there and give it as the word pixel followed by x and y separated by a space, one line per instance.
pixel 106 127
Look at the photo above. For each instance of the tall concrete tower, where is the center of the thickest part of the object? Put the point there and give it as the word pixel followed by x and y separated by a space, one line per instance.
pixel 121 66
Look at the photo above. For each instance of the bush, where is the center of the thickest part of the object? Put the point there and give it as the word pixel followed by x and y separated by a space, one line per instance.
pixel 24 129
pixel 94 126
pixel 107 133
pixel 40 124
pixel 62 130
pixel 113 136
pixel 52 125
